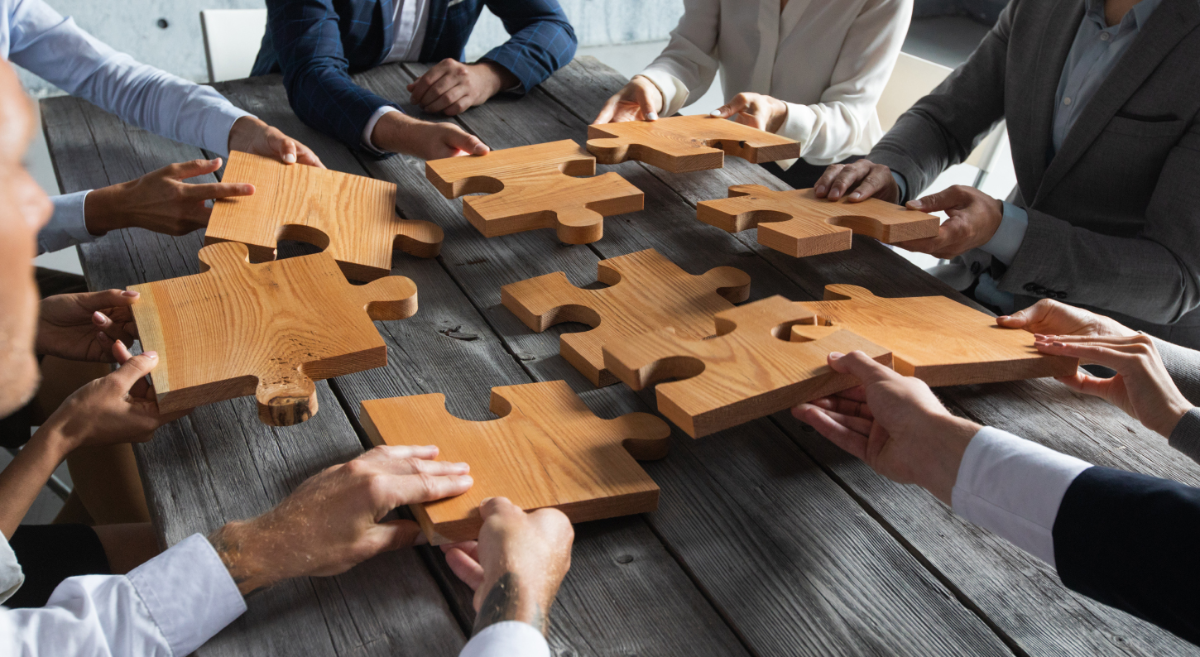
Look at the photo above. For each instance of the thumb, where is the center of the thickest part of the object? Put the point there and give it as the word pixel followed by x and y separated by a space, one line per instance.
pixel 396 534
pixel 132 370
pixel 1022 319
pixel 943 200
pixel 286 149
pixel 467 143
pixel 860 366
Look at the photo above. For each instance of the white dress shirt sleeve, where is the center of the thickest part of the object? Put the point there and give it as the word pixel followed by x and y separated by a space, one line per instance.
pixel 370 127
pixel 687 66
pixel 58 50
pixel 1014 487
pixel 67 226
pixel 167 607
pixel 11 575
pixel 507 639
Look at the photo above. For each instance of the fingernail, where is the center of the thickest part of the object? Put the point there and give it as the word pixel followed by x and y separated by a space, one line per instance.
pixel 835 355
pixel 856 195
pixel 1004 317
pixel 422 539
pixel 130 293
pixel 462 467
pixel 289 158
pixel 821 189
pixel 152 355
pixel 653 116
pixel 99 317
pixel 715 112
pixel 915 204
pixel 465 480
pixel 486 500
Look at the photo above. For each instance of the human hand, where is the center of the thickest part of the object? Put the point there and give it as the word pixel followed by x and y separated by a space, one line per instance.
pixel 84 326
pixel 755 110
pixel 638 100
pixel 251 135
pixel 517 564
pixel 1050 317
pixel 159 201
pixel 862 179
pixel 332 521
pixel 894 423
pixel 452 87
pixel 401 133
pixel 1142 387
pixel 974 218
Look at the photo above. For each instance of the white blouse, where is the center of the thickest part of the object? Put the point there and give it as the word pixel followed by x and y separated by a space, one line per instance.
pixel 829 60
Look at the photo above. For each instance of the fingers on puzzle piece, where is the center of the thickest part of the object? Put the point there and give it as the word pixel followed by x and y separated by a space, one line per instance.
pixel 686 143
pixel 647 292
pixel 548 185
pixel 799 224
pixel 585 465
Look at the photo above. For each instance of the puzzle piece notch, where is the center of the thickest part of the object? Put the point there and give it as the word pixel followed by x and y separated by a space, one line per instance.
pixel 935 339
pixel 799 224
pixel 551 185
pixel 546 449
pixel 645 292
pixel 686 143
pixel 268 330
pixel 748 370
pixel 353 218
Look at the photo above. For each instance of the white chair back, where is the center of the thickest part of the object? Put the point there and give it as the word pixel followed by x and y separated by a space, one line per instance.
pixel 231 41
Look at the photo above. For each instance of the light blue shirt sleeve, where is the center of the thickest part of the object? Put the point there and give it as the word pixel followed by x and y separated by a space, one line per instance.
pixel 67 226
pixel 1011 232
pixel 507 639
pixel 902 183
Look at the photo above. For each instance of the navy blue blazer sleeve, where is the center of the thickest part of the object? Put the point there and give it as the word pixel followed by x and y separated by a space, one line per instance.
pixel 316 72
pixel 542 39
pixel 1129 541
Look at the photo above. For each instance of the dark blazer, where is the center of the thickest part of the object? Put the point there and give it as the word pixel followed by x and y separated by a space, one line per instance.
pixel 317 44
pixel 1114 216
pixel 1129 541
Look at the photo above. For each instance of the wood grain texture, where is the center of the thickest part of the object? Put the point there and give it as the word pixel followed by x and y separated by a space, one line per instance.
pixel 646 292
pixel 800 224
pixel 551 185
pixel 547 449
pixel 269 329
pixel 686 143
pixel 353 218
pixel 745 372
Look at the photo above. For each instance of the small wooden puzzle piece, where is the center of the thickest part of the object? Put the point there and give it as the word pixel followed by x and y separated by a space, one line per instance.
pixel 267 330
pixel 686 143
pixel 747 371
pixel 646 293
pixel 800 224
pixel 546 450
pixel 551 185
pixel 353 218
pixel 935 339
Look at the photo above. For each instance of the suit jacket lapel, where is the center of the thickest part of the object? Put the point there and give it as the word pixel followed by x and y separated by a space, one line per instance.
pixel 435 28
pixel 1166 27
pixel 388 9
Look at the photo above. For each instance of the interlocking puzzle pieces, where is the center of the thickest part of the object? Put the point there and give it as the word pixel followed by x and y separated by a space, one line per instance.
pixel 748 370
pixel 686 143
pixel 353 218
pixel 646 292
pixel 546 450
pixel 551 185
pixel 799 224
pixel 935 339
pixel 267 330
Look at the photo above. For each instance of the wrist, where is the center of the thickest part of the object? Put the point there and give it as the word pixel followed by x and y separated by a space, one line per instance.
pixel 496 77
pixel 397 132
pixel 101 209
pixel 243 132
pixel 952 435
pixel 240 550
pixel 1179 408
pixel 52 443
pixel 511 598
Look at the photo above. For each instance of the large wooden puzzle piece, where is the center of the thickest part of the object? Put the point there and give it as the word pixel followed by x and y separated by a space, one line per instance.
pixel 935 339
pixel 546 450
pixel 686 143
pixel 353 218
pixel 748 370
pixel 551 185
pixel 799 224
pixel 267 330
pixel 646 292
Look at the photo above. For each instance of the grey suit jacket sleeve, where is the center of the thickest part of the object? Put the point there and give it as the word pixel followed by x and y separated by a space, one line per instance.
pixel 1183 365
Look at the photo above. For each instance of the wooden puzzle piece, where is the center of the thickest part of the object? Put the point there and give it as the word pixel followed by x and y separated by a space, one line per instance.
pixel 799 224
pixel 267 330
pixel 646 293
pixel 935 339
pixel 546 450
pixel 353 218
pixel 686 143
pixel 551 185
pixel 748 370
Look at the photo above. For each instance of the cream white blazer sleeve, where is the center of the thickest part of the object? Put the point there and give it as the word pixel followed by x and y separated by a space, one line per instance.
pixel 688 65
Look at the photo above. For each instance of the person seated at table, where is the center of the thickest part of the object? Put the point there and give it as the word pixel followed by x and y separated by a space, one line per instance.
pixel 317 44
pixel 1106 142
pixel 1122 538
pixel 812 71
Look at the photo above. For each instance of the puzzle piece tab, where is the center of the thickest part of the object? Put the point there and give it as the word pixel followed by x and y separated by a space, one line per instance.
pixel 353 218
pixel 551 185
pixel 935 339
pixel 267 330
pixel 747 371
pixel 546 450
pixel 799 224
pixel 686 143
pixel 646 293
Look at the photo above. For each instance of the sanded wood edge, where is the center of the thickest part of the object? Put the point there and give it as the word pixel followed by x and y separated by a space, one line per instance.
pixel 803 247
pixel 419 238
pixel 150 334
pixel 387 298
pixel 996 372
pixel 444 187
pixel 256 252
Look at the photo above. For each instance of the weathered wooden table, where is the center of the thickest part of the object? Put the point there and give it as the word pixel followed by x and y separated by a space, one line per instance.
pixel 768 539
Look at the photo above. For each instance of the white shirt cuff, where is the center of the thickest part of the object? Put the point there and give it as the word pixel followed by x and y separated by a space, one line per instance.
pixel 674 91
pixel 189 593
pixel 218 122
pixel 370 127
pixel 798 126
pixel 67 225
pixel 1014 487
pixel 1009 235
pixel 507 639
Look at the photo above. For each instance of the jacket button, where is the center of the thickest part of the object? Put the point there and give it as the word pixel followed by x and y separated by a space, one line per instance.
pixel 1062 295
pixel 1030 287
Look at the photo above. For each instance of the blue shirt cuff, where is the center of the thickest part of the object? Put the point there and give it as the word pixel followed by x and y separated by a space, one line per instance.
pixel 67 225
pixel 902 183
pixel 1007 240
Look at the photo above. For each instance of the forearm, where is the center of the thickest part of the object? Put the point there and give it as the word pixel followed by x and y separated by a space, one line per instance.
pixel 541 41
pixel 1183 365
pixel 25 476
